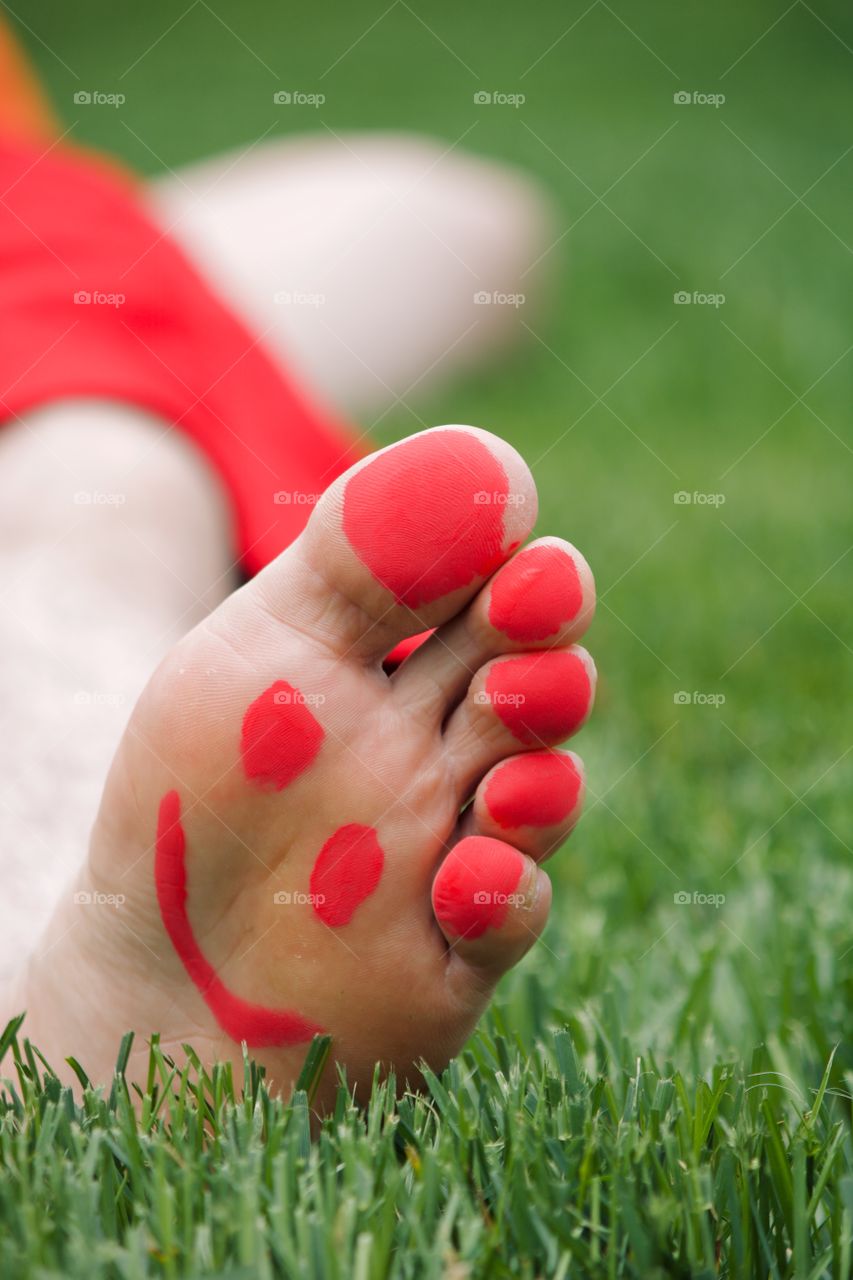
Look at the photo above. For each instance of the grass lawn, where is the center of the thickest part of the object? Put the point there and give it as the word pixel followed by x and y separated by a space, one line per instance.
pixel 663 1087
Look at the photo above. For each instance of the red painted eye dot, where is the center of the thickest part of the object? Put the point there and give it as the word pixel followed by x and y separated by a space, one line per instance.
pixel 540 697
pixel 535 594
pixel 280 736
pixel 539 790
pixel 347 871
pixel 427 517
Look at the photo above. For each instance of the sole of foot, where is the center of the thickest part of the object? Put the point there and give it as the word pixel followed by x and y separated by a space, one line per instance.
pixel 293 841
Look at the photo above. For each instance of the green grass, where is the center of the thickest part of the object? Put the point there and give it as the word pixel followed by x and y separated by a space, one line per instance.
pixel 661 1089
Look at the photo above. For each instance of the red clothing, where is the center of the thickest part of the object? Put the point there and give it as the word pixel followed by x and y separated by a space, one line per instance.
pixel 96 301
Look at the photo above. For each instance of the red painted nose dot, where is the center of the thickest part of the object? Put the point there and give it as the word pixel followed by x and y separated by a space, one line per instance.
pixel 427 517
pixel 535 594
pixel 280 736
pixel 474 886
pixel 347 870
pixel 539 790
pixel 541 698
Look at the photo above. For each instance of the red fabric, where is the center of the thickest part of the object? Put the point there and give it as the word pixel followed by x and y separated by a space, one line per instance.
pixel 70 223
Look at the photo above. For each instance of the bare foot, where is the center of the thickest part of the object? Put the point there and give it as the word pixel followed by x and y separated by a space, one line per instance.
pixel 285 843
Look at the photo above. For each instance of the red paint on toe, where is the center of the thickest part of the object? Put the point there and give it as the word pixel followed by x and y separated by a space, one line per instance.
pixel 535 594
pixel 401 651
pixel 258 1025
pixel 474 886
pixel 347 871
pixel 427 517
pixel 539 790
pixel 540 697
pixel 280 736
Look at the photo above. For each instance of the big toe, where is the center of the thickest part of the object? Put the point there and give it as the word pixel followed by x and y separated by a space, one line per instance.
pixel 404 539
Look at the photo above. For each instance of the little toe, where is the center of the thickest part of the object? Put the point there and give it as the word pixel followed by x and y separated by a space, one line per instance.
pixel 544 597
pixel 531 700
pixel 534 800
pixel 404 539
pixel 491 903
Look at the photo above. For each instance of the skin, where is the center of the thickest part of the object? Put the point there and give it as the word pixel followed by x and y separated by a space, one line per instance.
pixel 227 811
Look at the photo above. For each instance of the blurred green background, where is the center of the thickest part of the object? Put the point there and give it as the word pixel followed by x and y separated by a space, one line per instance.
pixel 623 399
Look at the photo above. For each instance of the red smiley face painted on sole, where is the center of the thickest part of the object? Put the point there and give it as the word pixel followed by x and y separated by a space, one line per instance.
pixel 427 517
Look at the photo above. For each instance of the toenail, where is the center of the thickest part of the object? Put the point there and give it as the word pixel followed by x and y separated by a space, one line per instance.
pixel 538 790
pixel 476 885
pixel 536 594
pixel 347 871
pixel 280 736
pixel 541 698
pixel 427 517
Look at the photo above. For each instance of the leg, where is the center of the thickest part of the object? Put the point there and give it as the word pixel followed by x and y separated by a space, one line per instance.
pixel 379 244
pixel 114 542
